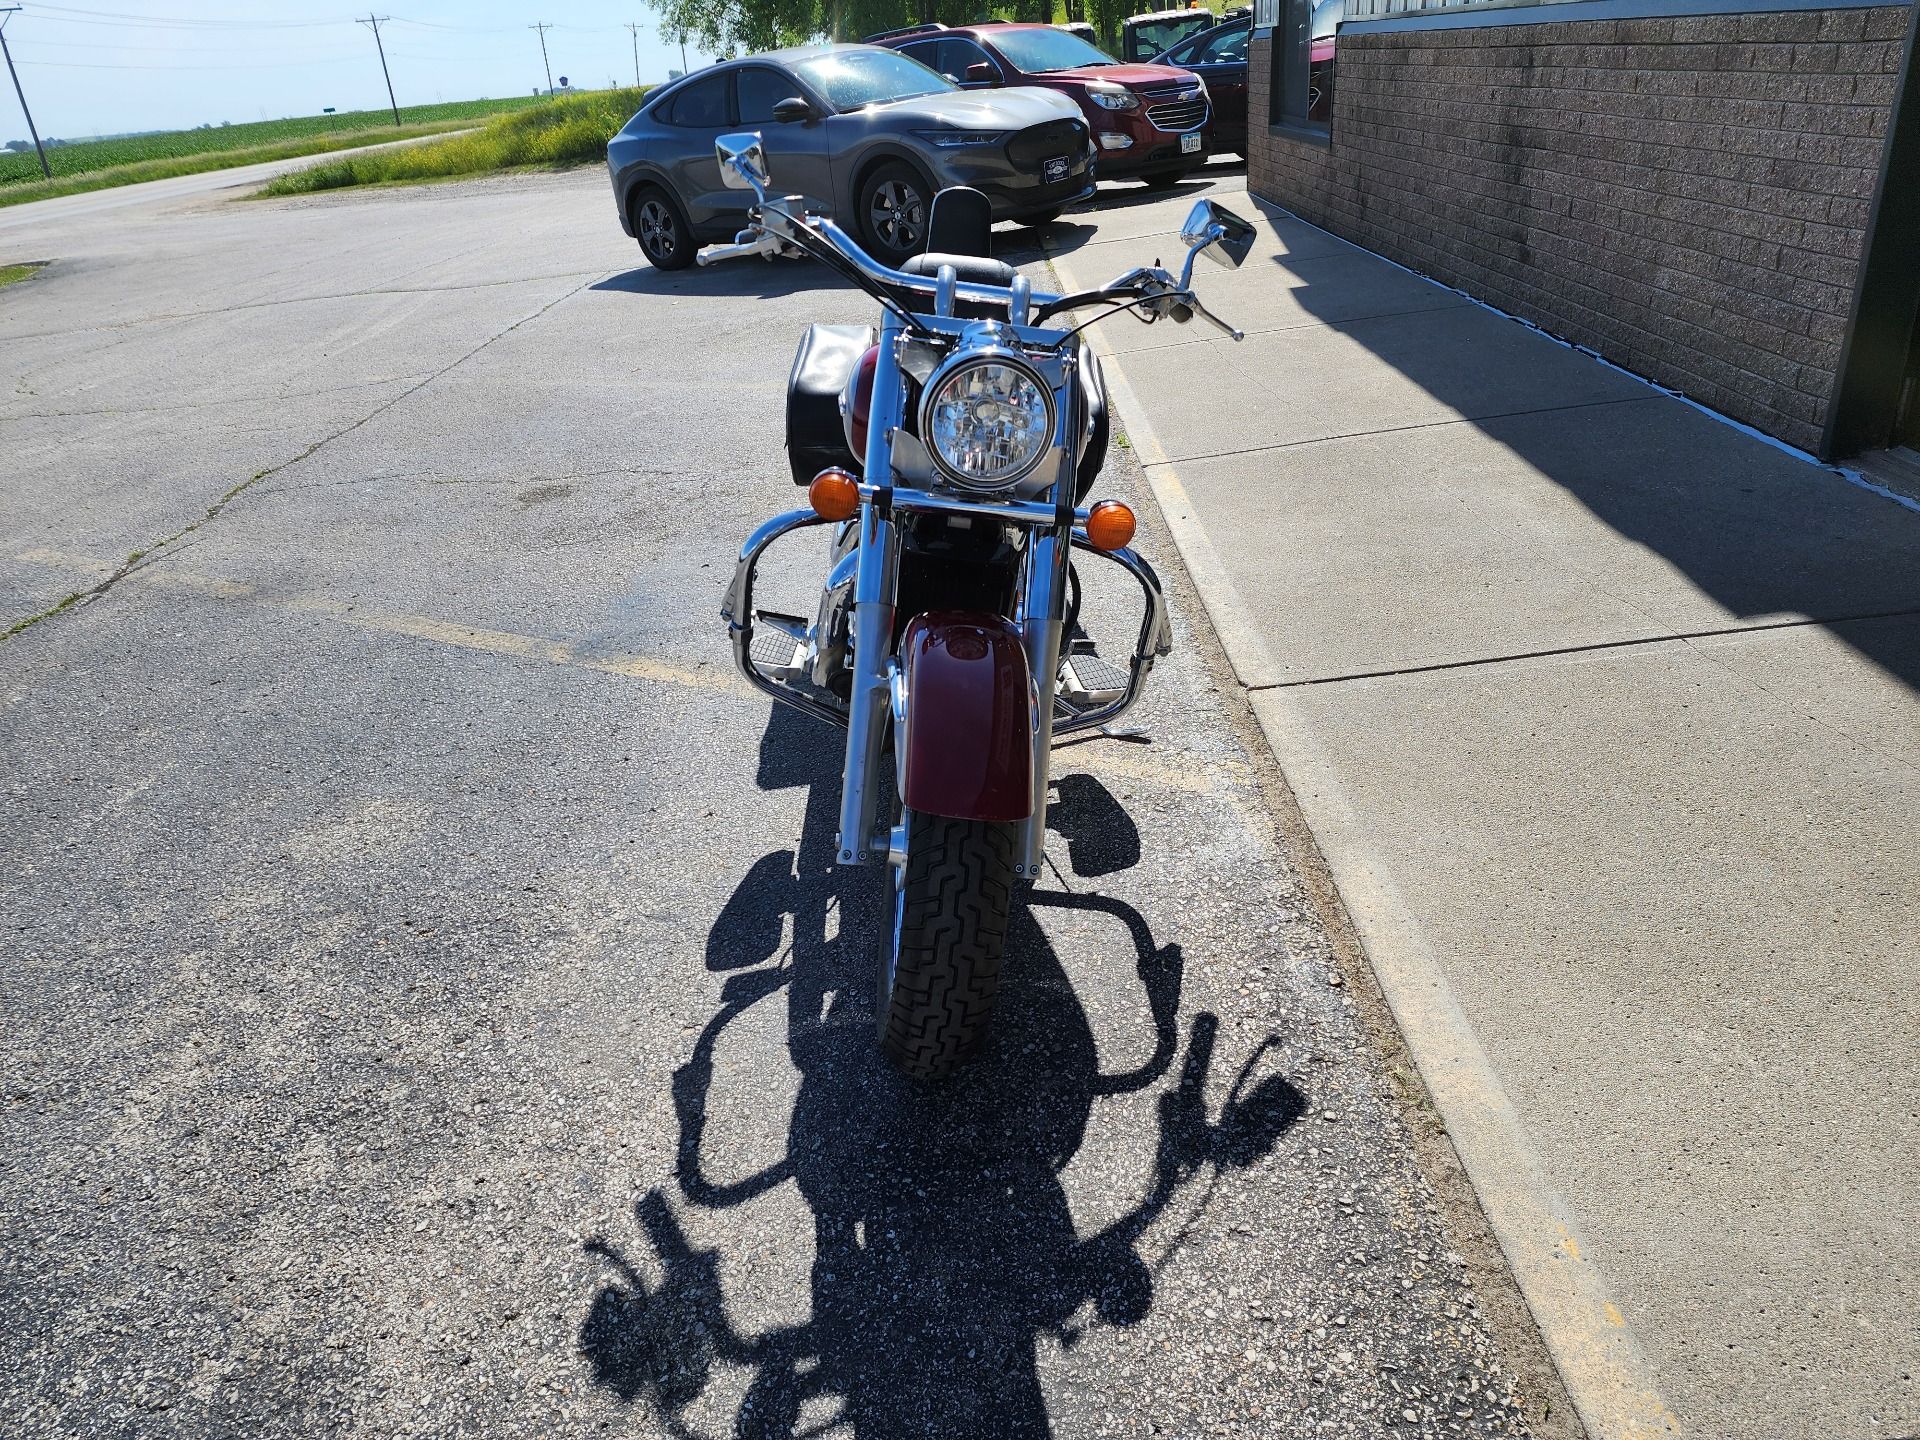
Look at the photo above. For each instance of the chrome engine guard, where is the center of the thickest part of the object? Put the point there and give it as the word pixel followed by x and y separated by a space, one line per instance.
pixel 791 681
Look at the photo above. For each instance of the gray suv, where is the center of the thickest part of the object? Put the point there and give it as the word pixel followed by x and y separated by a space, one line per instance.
pixel 867 135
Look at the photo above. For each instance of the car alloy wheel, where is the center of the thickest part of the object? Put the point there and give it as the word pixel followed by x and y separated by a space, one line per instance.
pixel 898 215
pixel 657 228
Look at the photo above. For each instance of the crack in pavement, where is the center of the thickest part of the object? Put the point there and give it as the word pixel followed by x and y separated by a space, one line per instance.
pixel 145 556
pixel 116 410
pixel 169 316
pixel 1633 642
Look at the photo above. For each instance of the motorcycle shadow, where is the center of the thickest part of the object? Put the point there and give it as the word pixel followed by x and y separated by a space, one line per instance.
pixel 944 1245
pixel 760 279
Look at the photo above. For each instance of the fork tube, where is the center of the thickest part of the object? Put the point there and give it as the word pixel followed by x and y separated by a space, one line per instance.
pixel 1043 602
pixel 874 585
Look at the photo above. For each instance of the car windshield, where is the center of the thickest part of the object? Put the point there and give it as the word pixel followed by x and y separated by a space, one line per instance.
pixel 853 78
pixel 1038 50
pixel 1326 17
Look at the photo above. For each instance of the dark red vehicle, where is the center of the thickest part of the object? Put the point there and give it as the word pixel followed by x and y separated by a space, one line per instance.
pixel 1149 122
pixel 1219 57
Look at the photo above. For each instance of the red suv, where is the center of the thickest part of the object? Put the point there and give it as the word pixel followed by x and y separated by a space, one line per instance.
pixel 1149 122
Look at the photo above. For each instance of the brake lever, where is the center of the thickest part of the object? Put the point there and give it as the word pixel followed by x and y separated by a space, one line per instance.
pixel 1184 305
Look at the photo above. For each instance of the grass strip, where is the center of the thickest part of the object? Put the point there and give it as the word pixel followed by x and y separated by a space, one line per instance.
pixel 166 169
pixel 14 274
pixel 567 130
pixel 80 156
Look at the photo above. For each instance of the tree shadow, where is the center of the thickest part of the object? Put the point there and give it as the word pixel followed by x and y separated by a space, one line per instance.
pixel 945 1250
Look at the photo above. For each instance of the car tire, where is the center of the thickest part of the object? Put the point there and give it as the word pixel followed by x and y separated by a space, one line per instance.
pixel 1167 179
pixel 895 204
pixel 1045 217
pixel 662 232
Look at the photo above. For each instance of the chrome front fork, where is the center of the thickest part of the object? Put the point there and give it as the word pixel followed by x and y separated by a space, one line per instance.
pixel 1040 613
pixel 871 699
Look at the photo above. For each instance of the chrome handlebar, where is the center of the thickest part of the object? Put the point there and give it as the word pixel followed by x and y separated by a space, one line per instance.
pixel 1158 294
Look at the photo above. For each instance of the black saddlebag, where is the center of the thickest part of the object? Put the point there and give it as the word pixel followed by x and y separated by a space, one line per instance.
pixel 816 435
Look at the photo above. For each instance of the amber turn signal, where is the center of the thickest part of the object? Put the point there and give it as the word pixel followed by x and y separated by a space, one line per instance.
pixel 835 495
pixel 1109 525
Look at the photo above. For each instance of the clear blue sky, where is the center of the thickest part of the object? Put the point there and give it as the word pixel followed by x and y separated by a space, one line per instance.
pixel 93 67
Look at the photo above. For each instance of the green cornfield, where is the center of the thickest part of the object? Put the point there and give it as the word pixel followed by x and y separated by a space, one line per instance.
pixel 23 167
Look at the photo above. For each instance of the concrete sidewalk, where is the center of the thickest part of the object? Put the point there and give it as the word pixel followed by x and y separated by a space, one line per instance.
pixel 1604 716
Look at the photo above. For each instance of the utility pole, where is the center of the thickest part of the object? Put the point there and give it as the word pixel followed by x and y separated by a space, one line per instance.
pixel 635 29
pixel 543 27
pixel 39 149
pixel 375 22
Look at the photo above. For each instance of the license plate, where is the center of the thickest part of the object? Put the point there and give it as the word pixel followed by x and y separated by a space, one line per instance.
pixel 1190 144
pixel 1055 170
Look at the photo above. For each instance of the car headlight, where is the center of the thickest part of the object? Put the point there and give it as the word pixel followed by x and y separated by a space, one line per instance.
pixel 954 139
pixel 987 422
pixel 1112 97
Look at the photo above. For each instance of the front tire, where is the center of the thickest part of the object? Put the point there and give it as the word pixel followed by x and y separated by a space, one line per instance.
pixel 940 961
pixel 894 205
pixel 664 237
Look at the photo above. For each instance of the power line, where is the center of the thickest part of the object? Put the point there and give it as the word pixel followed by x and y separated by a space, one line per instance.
pixel 543 28
pixel 60 13
pixel 373 21
pixel 38 148
pixel 251 69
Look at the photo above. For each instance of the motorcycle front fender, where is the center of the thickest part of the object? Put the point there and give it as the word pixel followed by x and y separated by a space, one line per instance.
pixel 966 743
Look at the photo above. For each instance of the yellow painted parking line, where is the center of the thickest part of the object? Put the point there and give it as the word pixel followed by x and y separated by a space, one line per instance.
pixel 419 627
pixel 1111 760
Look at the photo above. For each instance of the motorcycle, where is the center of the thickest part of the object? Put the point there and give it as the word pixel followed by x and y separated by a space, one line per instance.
pixel 948 455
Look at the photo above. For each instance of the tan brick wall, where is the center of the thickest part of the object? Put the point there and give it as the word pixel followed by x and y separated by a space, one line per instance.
pixel 1686 196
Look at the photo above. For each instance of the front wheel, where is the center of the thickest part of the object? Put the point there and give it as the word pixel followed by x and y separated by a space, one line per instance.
pixel 940 963
pixel 663 235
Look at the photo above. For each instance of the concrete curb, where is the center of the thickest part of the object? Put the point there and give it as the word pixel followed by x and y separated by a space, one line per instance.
pixel 1599 1362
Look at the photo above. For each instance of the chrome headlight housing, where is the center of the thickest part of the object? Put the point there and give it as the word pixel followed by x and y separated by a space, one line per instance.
pixel 987 419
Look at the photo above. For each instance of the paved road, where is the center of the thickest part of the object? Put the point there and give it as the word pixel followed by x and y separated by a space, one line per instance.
pixel 429 1009
pixel 38 216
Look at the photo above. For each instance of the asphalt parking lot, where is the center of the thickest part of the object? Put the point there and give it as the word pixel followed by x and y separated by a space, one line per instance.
pixel 431 1010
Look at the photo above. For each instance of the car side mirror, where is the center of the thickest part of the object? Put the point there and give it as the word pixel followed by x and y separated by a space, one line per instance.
pixel 743 164
pixel 1219 234
pixel 791 109
pixel 981 73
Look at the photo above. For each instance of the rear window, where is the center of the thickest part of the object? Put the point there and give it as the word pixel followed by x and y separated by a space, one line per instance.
pixel 853 78
pixel 1150 37
pixel 701 106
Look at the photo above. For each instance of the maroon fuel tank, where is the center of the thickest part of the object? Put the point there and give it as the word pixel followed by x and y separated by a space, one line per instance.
pixel 968 747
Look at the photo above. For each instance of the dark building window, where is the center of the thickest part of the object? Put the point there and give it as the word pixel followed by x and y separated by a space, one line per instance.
pixel 1301 92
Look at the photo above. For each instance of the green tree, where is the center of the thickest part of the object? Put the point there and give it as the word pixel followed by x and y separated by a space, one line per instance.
pixel 741 27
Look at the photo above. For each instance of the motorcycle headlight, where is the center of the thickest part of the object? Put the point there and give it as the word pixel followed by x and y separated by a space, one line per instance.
pixel 987 422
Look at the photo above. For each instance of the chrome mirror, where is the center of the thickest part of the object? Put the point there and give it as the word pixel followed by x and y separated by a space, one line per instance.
pixel 743 164
pixel 1219 234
